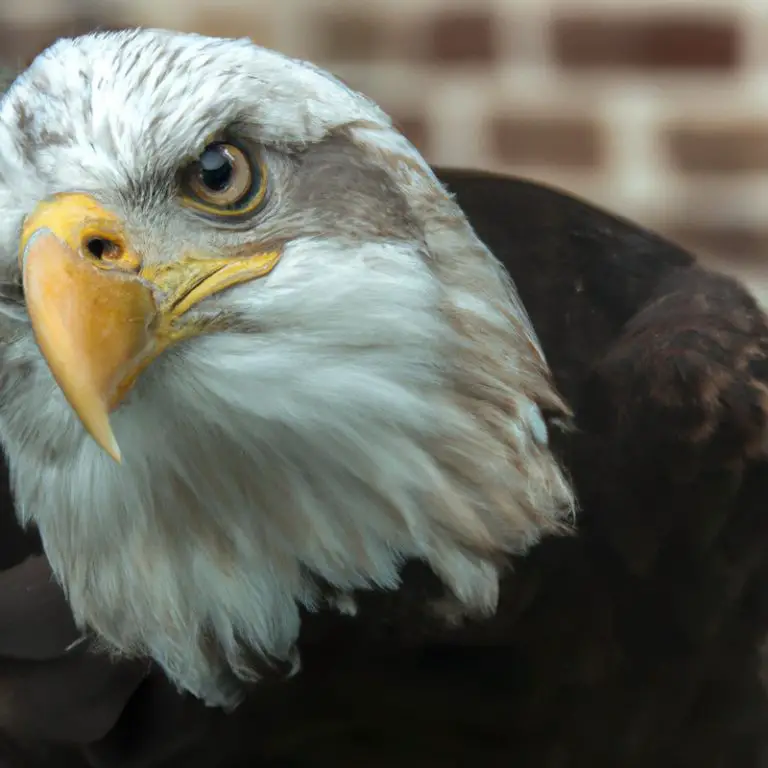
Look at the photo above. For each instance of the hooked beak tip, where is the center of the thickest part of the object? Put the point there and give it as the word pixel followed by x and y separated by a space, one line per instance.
pixel 113 449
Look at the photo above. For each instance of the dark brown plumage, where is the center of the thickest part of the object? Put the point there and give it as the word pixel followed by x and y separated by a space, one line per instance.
pixel 635 642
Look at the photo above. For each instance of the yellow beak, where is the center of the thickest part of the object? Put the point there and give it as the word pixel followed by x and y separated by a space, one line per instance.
pixel 99 314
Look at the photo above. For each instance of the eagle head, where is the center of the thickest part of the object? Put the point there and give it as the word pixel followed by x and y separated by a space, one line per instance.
pixel 251 351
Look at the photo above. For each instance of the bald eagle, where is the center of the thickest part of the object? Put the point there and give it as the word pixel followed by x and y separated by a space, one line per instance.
pixel 272 402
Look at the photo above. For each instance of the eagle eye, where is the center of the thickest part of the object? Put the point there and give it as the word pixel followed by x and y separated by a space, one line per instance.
pixel 223 181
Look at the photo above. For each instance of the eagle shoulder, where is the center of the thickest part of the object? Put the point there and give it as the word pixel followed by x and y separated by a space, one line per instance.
pixel 679 401
pixel 689 374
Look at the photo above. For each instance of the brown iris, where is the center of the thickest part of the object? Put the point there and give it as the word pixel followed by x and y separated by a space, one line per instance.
pixel 223 181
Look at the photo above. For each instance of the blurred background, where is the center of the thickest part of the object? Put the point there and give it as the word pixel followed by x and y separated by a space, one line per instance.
pixel 655 109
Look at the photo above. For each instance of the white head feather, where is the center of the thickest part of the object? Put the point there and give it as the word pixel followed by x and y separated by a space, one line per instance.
pixel 378 397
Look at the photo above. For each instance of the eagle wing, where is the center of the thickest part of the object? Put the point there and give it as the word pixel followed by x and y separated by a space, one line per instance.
pixel 641 635
pixel 637 641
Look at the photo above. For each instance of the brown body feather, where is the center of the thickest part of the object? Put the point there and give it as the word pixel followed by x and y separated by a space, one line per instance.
pixel 635 642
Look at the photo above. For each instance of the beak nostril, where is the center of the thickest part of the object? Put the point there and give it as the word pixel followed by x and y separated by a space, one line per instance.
pixel 102 248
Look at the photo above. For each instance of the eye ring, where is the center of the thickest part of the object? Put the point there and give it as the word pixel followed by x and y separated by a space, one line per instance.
pixel 224 181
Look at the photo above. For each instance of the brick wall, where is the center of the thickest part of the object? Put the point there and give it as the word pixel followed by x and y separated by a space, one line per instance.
pixel 657 109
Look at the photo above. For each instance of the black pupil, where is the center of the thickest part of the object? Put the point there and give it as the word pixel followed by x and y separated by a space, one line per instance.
pixel 216 169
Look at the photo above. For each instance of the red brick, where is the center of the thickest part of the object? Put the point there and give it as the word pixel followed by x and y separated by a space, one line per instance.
pixel 646 42
pixel 539 141
pixel 230 23
pixel 416 129
pixel 21 42
pixel 459 37
pixel 348 37
pixel 718 148
pixel 730 244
